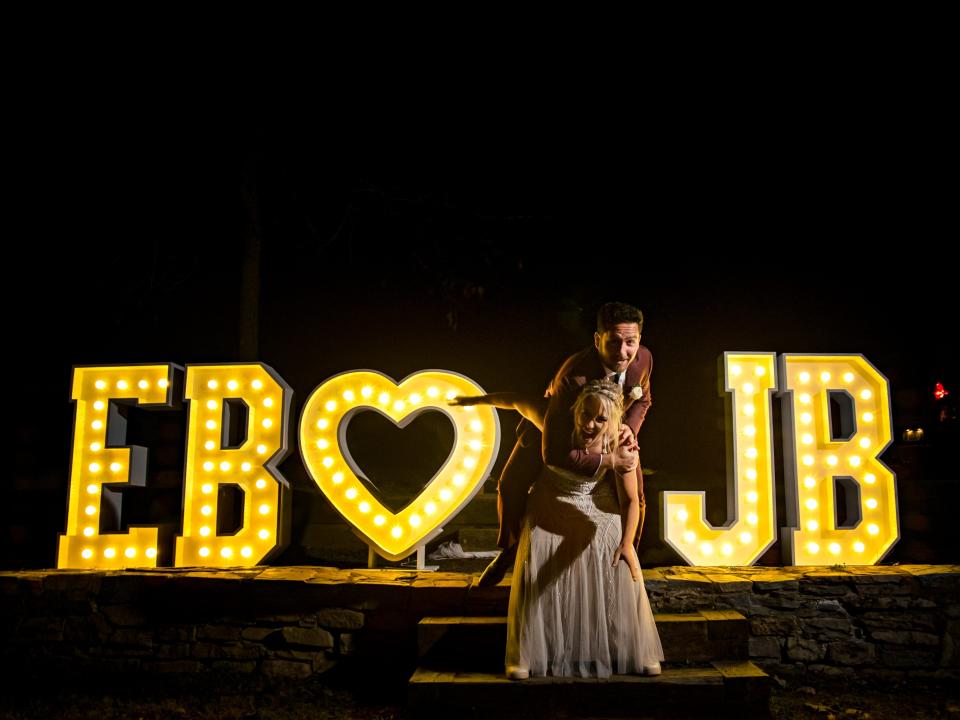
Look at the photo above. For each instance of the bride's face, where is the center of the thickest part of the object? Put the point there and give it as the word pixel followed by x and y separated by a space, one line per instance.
pixel 591 420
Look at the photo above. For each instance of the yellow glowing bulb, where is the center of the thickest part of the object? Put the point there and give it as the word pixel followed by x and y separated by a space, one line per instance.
pixel 367 391
pixel 379 520
pixel 451 394
pixel 749 410
pixel 323 444
pixel 445 494
pixel 97 425
pixel 327 462
pixel 323 424
pixel 337 477
pixel 87 554
pixel 349 395
pixel 210 445
pixel 261 449
pixel 261 483
pixel 475 445
pixel 415 520
pixel 224 466
pixel 364 506
pixel 834 547
pixel 204 551
pixel 870 478
pixel 268 402
pixel 88 531
pixel 151 552
pixel 812 525
pixel 873 528
pixel 351 493
pixel 211 404
pixel 399 405
pixel 206 510
pixel 858 546
pixel 94 467
pixel 805 398
pixel 93 488
pixel 95 447
pixel 825 376
pixel 854 461
pixel 689 536
pixel 808 460
pixel 100 384
pixel 383 398
pixel 415 398
pixel 264 509
pixel 247 551
pixel 806 418
pixel 469 462
pixel 735 369
pixel 832 460
pixel 267 423
pixel 745 537
pixel 809 481
pixel 212 384
pixel 246 467
pixel 330 405
pixel 163 382
pixel 751 453
pixel 396 531
pixel 459 479
pixel 848 377
pixel 432 392
pixel 865 443
pixel 99 405
pixel 233 385
pixel 130 552
pixel 257 385
pixel 90 509
pixel 804 377
pixel 752 519
pixel 430 508
pixel 868 417
pixel 208 466
pixel 759 371
pixel 811 504
pixel 749 431
pixel 865 394
pixel 871 503
pixel 807 439
pixel 226 552
pixel 211 424
pixel 476 426
pixel 813 547
pixel 263 534
pixel 205 531
pixel 706 548
pixel 110 552
pixel 748 388
pixel 682 515
pixel 206 488
pixel 752 496
pixel 751 474
pixel 122 384
pixel 726 549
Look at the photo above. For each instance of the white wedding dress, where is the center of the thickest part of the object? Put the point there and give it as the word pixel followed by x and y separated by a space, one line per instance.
pixel 571 613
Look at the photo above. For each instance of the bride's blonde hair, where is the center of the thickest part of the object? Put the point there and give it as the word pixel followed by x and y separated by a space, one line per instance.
pixel 610 396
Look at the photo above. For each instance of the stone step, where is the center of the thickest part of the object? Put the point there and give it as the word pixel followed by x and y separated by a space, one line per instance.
pixel 476 643
pixel 717 688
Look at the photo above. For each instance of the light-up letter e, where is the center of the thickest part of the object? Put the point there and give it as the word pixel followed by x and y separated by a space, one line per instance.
pixel 841 500
pixel 99 461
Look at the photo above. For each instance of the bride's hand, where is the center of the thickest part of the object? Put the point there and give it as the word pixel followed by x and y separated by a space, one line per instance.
pixel 629 554
pixel 462 400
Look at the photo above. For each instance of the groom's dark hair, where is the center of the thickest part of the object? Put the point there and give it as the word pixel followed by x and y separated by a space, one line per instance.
pixel 614 313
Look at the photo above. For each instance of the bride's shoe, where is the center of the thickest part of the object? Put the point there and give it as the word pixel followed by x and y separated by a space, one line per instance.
pixel 652 669
pixel 517 672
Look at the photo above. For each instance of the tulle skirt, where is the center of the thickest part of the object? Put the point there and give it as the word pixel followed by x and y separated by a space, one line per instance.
pixel 571 613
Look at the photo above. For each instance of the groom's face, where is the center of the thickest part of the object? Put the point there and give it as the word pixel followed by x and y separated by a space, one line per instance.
pixel 618 345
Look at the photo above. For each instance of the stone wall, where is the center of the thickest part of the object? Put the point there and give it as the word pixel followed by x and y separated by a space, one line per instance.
pixel 883 622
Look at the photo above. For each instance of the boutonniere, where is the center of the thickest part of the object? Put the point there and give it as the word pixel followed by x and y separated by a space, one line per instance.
pixel 636 392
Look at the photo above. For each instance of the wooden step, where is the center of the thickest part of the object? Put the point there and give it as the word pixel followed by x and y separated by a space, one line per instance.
pixel 476 643
pixel 731 687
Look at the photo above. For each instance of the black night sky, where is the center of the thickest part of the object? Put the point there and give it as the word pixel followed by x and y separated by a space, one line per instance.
pixel 813 237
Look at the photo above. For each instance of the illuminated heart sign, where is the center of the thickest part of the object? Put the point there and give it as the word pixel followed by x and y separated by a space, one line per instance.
pixel 327 458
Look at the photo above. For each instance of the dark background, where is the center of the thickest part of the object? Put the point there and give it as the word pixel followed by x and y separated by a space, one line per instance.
pixel 153 234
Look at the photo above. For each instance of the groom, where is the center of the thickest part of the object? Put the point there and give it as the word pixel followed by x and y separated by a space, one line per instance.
pixel 617 354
